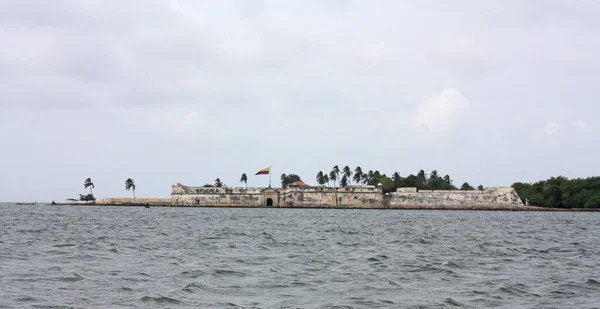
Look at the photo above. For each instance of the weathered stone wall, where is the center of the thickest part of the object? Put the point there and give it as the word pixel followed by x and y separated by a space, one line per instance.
pixel 489 198
pixel 352 197
pixel 213 196
pixel 325 197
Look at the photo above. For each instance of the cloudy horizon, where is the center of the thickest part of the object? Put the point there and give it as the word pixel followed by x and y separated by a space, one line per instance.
pixel 170 92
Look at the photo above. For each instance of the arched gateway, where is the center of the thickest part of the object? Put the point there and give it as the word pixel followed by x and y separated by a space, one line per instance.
pixel 269 197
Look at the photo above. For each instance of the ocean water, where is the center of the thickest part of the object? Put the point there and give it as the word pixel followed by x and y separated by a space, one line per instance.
pixel 134 257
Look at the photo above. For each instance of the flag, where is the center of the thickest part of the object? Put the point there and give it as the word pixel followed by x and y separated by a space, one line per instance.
pixel 264 171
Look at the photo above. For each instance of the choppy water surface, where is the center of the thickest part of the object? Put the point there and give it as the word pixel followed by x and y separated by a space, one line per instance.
pixel 103 257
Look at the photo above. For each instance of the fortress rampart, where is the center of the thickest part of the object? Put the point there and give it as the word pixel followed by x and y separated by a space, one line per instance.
pixel 497 198
pixel 488 198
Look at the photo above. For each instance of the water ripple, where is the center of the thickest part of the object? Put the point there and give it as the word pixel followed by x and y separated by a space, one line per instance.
pixel 96 257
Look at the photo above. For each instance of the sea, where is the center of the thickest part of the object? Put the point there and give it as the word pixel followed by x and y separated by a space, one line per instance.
pixel 136 257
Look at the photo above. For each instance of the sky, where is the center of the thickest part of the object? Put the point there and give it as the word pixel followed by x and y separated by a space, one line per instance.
pixel 166 92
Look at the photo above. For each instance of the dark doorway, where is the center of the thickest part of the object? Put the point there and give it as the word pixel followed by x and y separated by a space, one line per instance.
pixel 269 202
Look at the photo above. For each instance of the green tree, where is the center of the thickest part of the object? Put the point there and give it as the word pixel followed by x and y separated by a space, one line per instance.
pixel 86 198
pixel 560 192
pixel 218 183
pixel 422 179
pixel 288 179
pixel 466 186
pixel 369 176
pixel 396 177
pixel 448 180
pixel 438 183
pixel 244 180
pixel 130 185
pixel 593 202
pixel 480 188
pixel 336 170
pixel 333 176
pixel 358 175
pixel 326 179
pixel 89 184
pixel 364 178
pixel 321 178
pixel 348 173
pixel 344 181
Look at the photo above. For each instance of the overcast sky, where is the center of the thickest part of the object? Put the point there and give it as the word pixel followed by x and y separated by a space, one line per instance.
pixel 490 92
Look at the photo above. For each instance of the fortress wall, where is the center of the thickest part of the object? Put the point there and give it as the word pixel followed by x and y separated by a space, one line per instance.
pixel 325 197
pixel 489 198
pixel 214 190
pixel 353 197
pixel 218 200
pixel 213 196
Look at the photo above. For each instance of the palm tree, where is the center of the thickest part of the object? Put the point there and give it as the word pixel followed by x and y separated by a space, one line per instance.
pixel 364 178
pixel 244 180
pixel 336 169
pixel 89 184
pixel 130 184
pixel 347 173
pixel 422 176
pixel 218 183
pixel 333 175
pixel 466 186
pixel 448 180
pixel 344 181
pixel 396 177
pixel 358 175
pixel 326 179
pixel 321 178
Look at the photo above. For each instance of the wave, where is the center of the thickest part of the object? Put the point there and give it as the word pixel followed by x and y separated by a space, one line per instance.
pixel 160 300
pixel 593 282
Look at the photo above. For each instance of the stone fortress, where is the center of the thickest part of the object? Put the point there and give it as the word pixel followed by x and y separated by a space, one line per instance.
pixel 300 195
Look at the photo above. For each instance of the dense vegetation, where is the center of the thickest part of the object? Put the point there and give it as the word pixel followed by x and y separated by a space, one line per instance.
pixel 288 179
pixel 423 181
pixel 561 192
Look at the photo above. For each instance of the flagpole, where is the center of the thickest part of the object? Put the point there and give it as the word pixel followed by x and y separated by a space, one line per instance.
pixel 270 172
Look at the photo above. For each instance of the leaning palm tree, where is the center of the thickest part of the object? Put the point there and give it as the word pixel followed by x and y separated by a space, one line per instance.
pixel 333 176
pixel 348 173
pixel 130 184
pixel 244 180
pixel 336 169
pixel 364 178
pixel 358 175
pixel 218 183
pixel 321 178
pixel 89 184
pixel 344 181
pixel 326 179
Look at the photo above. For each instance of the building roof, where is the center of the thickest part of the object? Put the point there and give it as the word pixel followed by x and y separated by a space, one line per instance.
pixel 298 183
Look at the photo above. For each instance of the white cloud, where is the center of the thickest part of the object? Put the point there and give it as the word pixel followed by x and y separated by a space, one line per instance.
pixel 579 124
pixel 442 112
pixel 551 128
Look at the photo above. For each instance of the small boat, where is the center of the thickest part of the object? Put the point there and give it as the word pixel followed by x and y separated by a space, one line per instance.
pixel 34 203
